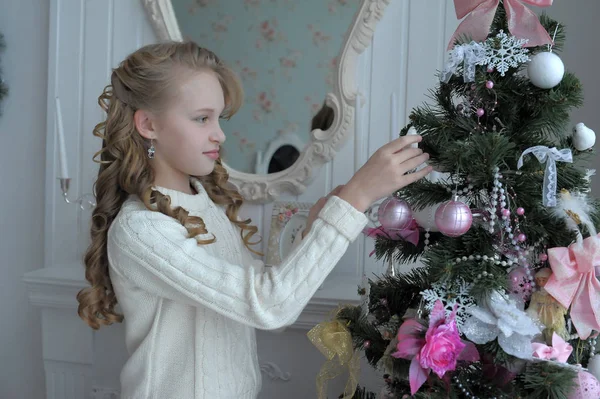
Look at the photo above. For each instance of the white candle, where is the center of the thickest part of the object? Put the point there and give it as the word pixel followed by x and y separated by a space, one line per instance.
pixel 394 131
pixel 62 149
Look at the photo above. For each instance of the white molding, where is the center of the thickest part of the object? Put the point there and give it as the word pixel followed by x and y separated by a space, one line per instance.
pixel 274 371
pixel 105 393
pixel 323 143
pixel 55 287
pixel 66 380
pixel 163 20
pixel 263 158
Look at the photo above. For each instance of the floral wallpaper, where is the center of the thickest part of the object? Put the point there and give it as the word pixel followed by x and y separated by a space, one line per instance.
pixel 285 52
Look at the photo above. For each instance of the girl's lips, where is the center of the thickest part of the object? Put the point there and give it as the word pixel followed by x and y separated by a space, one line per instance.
pixel 212 154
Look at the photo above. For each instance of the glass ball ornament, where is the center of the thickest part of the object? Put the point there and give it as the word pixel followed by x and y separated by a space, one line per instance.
pixel 546 70
pixel 586 387
pixel 394 214
pixel 519 284
pixel 594 366
pixel 453 218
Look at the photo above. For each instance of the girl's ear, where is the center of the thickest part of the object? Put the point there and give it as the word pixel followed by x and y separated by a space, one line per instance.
pixel 145 124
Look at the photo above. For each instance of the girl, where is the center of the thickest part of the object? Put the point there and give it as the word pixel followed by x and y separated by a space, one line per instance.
pixel 167 242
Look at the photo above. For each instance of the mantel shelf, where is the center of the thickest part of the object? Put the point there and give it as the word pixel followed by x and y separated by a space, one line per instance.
pixel 57 287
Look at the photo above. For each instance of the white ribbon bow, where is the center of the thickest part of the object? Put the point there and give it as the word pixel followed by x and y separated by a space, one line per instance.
pixel 550 156
pixel 471 54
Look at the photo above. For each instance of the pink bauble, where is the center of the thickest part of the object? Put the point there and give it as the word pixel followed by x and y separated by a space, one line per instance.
pixel 394 214
pixel 586 387
pixel 519 284
pixel 453 218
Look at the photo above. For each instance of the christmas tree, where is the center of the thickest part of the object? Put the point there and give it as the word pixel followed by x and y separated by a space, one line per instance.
pixel 507 302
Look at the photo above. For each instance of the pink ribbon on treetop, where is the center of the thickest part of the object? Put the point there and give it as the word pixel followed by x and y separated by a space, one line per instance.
pixel 522 22
pixel 573 282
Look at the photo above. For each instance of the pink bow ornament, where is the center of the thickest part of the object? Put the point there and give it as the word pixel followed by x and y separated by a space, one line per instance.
pixel 410 234
pixel 522 22
pixel 573 282
pixel 559 351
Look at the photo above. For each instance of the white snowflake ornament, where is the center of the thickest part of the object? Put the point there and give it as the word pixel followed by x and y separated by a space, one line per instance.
pixel 455 295
pixel 504 52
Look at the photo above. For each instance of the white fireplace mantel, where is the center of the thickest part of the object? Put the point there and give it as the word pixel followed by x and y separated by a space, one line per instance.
pixel 57 288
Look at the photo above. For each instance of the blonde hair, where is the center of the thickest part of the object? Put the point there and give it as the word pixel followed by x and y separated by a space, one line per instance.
pixel 145 80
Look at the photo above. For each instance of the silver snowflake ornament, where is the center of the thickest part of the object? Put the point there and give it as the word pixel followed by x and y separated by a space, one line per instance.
pixel 451 294
pixel 504 52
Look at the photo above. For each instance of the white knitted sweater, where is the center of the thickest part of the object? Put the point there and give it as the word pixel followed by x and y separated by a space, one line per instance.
pixel 191 310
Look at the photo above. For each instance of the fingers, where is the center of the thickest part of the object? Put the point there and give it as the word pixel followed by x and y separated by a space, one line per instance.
pixel 412 163
pixel 413 177
pixel 402 142
pixel 407 154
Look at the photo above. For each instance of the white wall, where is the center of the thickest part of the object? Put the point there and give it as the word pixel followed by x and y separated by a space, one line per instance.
pixel 581 56
pixel 24 62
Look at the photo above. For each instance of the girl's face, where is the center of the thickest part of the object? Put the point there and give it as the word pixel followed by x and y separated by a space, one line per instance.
pixel 188 134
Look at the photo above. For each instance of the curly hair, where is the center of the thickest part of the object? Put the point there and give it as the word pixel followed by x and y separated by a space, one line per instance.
pixel 145 80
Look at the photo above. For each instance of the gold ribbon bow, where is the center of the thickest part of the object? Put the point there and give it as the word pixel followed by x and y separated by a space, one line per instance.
pixel 333 338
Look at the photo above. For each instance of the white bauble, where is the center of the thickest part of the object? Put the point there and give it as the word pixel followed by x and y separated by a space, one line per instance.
pixel 412 132
pixel 438 177
pixel 594 366
pixel 546 70
pixel 584 138
pixel 426 218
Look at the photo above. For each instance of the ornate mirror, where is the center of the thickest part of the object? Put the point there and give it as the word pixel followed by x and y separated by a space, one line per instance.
pixel 297 61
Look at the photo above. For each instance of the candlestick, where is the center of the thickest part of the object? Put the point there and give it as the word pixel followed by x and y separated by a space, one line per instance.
pixel 86 201
pixel 62 149
pixel 394 116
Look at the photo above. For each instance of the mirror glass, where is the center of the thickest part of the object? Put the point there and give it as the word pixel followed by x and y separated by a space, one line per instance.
pixel 286 53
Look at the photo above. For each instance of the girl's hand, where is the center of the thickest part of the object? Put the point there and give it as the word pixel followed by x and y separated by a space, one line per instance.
pixel 316 208
pixel 385 172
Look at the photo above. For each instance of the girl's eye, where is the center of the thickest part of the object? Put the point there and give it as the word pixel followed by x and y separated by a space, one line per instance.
pixel 202 119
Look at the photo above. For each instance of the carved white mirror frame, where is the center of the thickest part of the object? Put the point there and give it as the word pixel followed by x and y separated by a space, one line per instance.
pixel 323 143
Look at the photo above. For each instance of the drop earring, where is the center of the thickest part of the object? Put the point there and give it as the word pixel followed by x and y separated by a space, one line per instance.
pixel 151 150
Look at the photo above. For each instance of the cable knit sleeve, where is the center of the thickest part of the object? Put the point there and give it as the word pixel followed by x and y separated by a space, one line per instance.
pixel 152 251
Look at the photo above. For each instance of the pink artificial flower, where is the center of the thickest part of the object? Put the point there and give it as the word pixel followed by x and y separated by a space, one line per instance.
pixel 439 350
